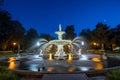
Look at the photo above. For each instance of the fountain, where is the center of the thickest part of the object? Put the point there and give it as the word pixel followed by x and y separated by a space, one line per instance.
pixel 61 43
pixel 58 56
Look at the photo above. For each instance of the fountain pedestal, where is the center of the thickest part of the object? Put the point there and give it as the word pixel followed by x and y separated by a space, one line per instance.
pixel 60 53
pixel 60 32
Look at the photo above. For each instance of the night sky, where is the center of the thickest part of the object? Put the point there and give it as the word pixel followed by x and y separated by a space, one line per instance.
pixel 46 15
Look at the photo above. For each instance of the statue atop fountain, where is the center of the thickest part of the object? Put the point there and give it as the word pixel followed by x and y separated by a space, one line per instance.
pixel 60 32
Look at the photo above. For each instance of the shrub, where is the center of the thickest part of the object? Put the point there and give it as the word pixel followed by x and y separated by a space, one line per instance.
pixel 7 75
pixel 114 74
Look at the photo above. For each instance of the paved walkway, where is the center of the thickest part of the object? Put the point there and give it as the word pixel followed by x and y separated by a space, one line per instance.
pixel 65 77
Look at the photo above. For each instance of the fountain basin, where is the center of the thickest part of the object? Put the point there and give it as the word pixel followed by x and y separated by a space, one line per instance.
pixel 34 63
pixel 33 66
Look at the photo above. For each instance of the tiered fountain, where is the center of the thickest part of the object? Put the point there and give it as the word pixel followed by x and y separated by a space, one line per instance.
pixel 60 43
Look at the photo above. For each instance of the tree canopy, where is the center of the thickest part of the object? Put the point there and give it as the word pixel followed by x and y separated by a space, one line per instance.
pixel 70 34
pixel 102 36
pixel 10 31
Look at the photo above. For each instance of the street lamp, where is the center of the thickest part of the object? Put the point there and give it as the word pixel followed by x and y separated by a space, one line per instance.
pixel 18 46
pixel 14 43
pixel 94 44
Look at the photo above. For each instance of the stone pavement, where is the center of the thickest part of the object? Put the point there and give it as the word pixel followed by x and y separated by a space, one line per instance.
pixel 81 76
pixel 65 77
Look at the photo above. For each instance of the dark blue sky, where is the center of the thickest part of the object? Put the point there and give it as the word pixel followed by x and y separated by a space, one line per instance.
pixel 46 15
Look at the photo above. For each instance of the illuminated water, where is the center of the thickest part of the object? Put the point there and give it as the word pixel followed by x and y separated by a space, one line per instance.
pixel 86 62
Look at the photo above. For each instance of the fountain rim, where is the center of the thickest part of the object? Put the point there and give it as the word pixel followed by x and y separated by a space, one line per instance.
pixel 35 73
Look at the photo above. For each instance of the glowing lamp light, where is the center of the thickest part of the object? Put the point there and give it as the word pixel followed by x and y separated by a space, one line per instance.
pixel 95 44
pixel 12 65
pixel 82 43
pixel 70 58
pixel 71 69
pixel 14 43
pixel 11 59
pixel 84 68
pixel 38 44
pixel 96 59
pixel 98 66
pixel 50 57
pixel 50 69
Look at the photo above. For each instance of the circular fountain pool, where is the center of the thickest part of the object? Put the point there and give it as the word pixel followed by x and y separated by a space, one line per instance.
pixel 32 62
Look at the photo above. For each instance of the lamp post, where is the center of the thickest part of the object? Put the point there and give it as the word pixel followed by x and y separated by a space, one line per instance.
pixel 95 45
pixel 14 44
pixel 18 46
pixel 18 54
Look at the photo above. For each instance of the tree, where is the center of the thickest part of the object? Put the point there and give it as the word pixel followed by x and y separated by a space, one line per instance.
pixel 99 34
pixel 110 39
pixel 4 20
pixel 31 38
pixel 86 33
pixel 70 34
pixel 47 37
pixel 10 31
pixel 18 33
pixel 117 34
